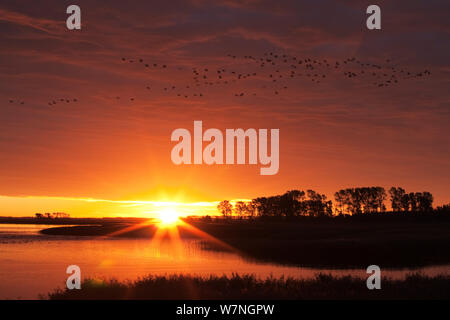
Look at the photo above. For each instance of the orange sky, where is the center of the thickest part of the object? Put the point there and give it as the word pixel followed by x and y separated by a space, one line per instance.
pixel 336 134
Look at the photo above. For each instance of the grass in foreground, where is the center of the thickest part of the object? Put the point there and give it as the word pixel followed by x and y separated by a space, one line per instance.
pixel 323 286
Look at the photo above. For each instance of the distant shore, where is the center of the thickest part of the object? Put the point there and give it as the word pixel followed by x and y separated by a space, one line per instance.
pixel 179 287
pixel 69 221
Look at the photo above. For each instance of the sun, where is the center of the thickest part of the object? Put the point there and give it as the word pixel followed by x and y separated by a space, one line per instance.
pixel 168 216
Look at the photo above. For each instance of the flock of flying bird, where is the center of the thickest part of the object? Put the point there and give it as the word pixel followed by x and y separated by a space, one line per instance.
pixel 275 70
pixel 272 73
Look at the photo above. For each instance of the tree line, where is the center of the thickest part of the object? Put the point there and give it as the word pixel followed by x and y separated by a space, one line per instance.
pixel 53 215
pixel 350 201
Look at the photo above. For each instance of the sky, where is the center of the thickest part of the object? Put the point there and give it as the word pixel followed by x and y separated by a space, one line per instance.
pixel 102 156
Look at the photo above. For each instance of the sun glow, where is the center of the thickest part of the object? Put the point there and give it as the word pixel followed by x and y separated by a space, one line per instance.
pixel 168 216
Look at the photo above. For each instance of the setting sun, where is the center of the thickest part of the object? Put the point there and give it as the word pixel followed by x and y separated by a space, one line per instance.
pixel 168 216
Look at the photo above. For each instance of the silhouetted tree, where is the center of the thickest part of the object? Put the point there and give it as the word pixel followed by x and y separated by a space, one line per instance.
pixel 413 201
pixel 339 197
pixel 424 201
pixel 396 195
pixel 373 199
pixel 61 215
pixel 261 206
pixel 54 215
pixel 293 203
pixel 405 202
pixel 361 200
pixel 251 208
pixel 443 208
pixel 316 205
pixel 225 208
pixel 240 209
pixel 290 202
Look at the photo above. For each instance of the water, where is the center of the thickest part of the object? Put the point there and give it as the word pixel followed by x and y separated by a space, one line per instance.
pixel 33 264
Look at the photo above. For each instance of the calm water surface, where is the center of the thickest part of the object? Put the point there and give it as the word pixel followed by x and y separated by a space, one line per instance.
pixel 33 264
